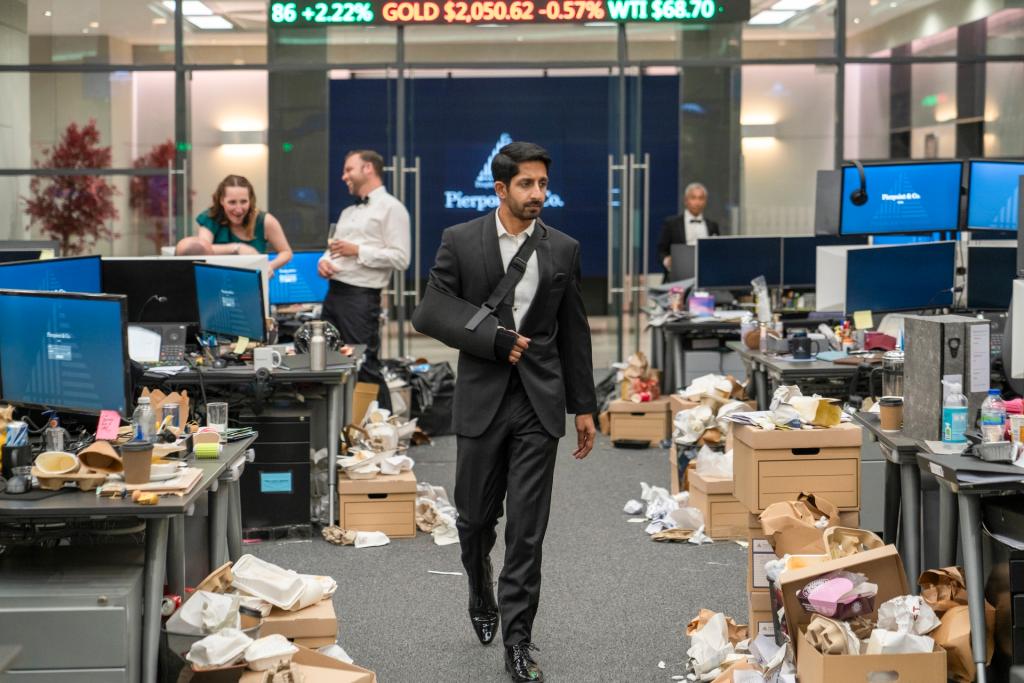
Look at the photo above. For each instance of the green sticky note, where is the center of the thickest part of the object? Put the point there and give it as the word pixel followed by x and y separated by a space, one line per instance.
pixel 862 320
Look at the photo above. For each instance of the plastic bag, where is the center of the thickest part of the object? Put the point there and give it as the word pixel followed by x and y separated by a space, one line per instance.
pixel 714 464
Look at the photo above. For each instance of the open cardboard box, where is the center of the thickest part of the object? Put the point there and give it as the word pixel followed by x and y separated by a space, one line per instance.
pixel 883 567
pixel 319 668
pixel 315 621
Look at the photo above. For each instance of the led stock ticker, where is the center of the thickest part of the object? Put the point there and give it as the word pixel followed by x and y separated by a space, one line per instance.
pixel 390 12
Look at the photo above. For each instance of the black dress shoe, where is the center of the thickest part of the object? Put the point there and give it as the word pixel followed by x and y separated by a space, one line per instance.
pixel 520 664
pixel 485 624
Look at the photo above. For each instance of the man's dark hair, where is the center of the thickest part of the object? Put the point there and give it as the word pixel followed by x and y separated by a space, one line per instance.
pixel 370 157
pixel 505 164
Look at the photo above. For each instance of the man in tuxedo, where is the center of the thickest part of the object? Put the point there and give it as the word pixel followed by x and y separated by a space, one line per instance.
pixel 510 403
pixel 687 227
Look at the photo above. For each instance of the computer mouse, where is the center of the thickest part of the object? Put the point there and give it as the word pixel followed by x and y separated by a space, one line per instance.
pixel 220 363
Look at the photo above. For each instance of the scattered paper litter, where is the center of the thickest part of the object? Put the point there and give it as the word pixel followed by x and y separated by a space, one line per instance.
pixel 431 571
pixel 633 507
pixel 636 520
pixel 371 539
pixel 661 664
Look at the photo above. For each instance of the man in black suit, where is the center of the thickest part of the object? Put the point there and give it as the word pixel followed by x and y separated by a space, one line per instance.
pixel 687 227
pixel 510 405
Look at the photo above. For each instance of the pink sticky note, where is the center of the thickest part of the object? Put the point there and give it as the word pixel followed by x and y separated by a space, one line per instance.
pixel 109 423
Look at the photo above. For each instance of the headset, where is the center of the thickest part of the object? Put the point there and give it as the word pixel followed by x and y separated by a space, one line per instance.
pixel 859 197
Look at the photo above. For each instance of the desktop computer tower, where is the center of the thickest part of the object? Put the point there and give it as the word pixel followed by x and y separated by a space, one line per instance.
pixel 275 487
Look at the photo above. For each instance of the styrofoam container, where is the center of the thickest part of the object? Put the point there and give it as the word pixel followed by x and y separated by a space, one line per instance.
pixel 279 587
pixel 218 649
pixel 269 652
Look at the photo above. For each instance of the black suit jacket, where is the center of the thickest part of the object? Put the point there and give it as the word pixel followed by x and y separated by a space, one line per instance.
pixel 557 369
pixel 673 231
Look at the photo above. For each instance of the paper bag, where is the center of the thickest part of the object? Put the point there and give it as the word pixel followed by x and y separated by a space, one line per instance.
pixel 954 635
pixel 792 526
pixel 157 398
pixel 737 633
pixel 943 589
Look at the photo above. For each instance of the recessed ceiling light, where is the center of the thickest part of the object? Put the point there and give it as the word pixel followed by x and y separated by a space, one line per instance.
pixel 770 18
pixel 893 4
pixel 856 20
pixel 214 23
pixel 85 30
pixel 159 21
pixel 794 5
pixel 94 24
pixel 47 13
pixel 190 8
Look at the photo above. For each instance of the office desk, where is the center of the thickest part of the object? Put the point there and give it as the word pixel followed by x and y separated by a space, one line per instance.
pixel 967 479
pixel 903 497
pixel 703 335
pixel 339 379
pixel 769 371
pixel 158 519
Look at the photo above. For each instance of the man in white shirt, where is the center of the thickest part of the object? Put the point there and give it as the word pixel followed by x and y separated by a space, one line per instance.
pixel 687 227
pixel 370 242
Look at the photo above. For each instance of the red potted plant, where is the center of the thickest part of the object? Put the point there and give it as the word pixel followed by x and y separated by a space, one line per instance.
pixel 149 194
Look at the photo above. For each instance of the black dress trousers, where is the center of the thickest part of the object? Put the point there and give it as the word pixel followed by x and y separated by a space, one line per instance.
pixel 355 311
pixel 514 457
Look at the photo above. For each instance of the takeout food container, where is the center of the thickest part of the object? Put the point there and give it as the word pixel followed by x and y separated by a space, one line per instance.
pixel 57 462
pixel 100 455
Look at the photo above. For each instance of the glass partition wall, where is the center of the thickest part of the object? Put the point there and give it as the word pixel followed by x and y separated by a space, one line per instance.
pixel 156 101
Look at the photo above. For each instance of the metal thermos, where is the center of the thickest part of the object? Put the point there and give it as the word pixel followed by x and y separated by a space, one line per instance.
pixel 317 348
pixel 892 373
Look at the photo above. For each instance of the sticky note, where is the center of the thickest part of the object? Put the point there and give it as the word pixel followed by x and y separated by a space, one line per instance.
pixel 862 320
pixel 110 422
pixel 240 345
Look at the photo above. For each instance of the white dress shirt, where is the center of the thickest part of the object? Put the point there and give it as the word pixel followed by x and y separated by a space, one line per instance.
pixel 526 290
pixel 381 229
pixel 696 227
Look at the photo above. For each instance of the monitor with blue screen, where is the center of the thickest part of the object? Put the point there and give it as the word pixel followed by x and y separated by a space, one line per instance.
pixel 800 258
pixel 79 274
pixel 904 197
pixel 993 198
pixel 66 351
pixel 230 301
pixel 990 275
pixel 298 282
pixel 732 262
pixel 901 278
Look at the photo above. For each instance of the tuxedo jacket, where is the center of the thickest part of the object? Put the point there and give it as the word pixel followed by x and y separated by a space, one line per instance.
pixel 673 231
pixel 557 368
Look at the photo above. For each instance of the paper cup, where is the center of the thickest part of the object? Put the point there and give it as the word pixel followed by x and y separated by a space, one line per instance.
pixel 138 460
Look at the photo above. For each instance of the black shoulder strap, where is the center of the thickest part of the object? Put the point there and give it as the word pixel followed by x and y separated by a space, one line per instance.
pixel 515 272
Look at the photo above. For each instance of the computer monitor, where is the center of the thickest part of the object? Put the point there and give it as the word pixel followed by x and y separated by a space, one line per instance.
pixel 991 271
pixel 230 301
pixel 902 197
pixel 900 278
pixel 684 262
pixel 77 274
pixel 159 290
pixel 732 262
pixel 799 257
pixel 64 351
pixel 298 282
pixel 993 195
pixel 12 255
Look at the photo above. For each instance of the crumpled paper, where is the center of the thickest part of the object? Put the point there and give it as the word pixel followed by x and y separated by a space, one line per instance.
pixel 360 539
pixel 435 514
pixel 784 395
pixel 633 507
pixel 691 424
pixel 709 644
pixel 736 633
pixel 715 464
pixel 884 642
pixel 943 589
pixel 832 636
pixel 711 385
pixel 907 614
pixel 659 501
pixel 396 464
pixel 795 527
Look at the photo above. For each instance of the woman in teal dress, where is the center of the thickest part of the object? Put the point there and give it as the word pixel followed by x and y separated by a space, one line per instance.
pixel 234 225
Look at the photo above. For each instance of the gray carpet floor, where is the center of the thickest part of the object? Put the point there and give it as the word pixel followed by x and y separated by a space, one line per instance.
pixel 613 604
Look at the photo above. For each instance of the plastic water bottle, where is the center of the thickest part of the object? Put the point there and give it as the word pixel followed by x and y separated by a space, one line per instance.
pixel 143 421
pixel 954 415
pixel 993 417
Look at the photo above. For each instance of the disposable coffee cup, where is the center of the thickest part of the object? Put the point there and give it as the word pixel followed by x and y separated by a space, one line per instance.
pixel 891 413
pixel 138 459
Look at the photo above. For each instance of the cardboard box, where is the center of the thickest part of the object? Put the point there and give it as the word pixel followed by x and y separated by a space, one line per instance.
pixel 363 395
pixel 883 567
pixel 759 618
pixel 315 643
pixel 677 403
pixel 319 668
pixel 777 465
pixel 674 484
pixel 724 516
pixel 640 421
pixel 604 423
pixel 315 621
pixel 847 518
pixel 385 503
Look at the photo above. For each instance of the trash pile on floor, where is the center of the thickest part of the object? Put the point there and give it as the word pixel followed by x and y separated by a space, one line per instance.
pixel 668 517
pixel 262 623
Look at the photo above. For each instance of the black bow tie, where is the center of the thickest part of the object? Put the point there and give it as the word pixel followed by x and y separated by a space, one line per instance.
pixel 696 220
pixel 362 200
